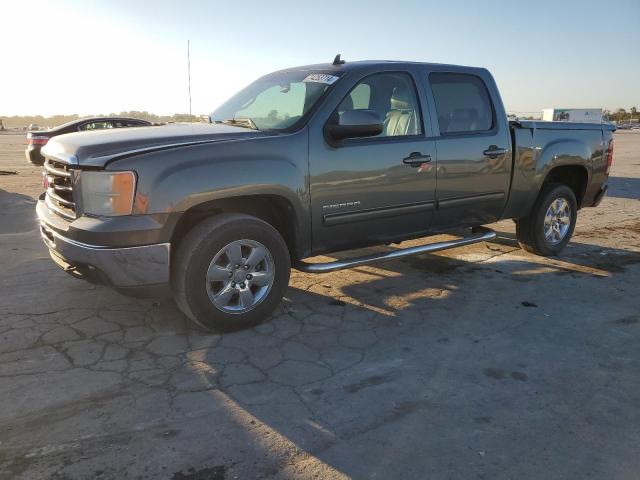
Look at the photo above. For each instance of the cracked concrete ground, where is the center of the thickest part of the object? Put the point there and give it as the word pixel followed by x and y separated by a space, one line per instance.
pixel 479 362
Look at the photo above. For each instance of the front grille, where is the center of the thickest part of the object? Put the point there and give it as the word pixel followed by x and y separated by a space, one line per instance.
pixel 59 196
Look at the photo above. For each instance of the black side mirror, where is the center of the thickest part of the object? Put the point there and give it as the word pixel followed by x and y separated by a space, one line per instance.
pixel 355 124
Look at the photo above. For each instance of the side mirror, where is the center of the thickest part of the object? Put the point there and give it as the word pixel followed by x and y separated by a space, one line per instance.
pixel 355 124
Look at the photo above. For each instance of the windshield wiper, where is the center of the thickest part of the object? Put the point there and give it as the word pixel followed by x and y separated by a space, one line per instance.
pixel 240 122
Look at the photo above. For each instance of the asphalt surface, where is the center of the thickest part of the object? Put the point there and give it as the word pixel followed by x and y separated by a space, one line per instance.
pixel 480 362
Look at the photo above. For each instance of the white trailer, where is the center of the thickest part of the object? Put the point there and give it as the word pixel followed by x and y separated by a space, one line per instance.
pixel 588 115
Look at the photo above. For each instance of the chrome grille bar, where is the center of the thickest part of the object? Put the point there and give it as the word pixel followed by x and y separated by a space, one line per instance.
pixel 70 214
pixel 59 195
pixel 62 188
pixel 55 171
pixel 58 198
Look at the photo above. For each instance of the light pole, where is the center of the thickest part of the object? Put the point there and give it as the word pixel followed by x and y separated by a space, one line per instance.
pixel 189 73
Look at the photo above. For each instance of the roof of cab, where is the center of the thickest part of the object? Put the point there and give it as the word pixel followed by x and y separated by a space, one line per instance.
pixel 370 64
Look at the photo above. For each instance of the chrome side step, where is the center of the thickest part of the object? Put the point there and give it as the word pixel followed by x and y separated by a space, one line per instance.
pixel 480 234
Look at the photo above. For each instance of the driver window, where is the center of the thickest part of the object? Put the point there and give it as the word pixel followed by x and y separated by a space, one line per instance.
pixel 393 97
pixel 361 96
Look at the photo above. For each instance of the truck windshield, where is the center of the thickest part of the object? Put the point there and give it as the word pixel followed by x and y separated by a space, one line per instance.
pixel 275 102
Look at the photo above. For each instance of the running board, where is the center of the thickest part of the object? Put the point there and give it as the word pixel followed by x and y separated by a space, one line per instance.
pixel 480 234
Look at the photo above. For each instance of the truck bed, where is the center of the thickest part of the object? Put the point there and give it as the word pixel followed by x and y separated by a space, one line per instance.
pixel 539 146
pixel 542 125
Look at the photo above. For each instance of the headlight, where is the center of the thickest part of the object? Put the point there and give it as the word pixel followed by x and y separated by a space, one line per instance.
pixel 107 193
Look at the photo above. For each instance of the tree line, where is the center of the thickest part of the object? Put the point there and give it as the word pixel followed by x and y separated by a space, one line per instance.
pixel 621 115
pixel 19 121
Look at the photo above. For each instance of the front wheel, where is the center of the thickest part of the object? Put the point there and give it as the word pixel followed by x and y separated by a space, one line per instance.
pixel 230 272
pixel 549 226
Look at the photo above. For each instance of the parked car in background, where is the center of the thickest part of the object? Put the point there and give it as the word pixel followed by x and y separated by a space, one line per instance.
pixel 36 138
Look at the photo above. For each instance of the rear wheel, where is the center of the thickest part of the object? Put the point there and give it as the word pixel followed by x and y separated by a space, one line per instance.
pixel 230 272
pixel 549 226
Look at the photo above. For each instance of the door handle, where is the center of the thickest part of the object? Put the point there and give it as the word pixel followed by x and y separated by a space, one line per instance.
pixel 493 151
pixel 415 159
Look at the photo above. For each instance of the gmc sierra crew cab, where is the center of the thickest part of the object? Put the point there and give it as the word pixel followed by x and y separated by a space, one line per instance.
pixel 307 161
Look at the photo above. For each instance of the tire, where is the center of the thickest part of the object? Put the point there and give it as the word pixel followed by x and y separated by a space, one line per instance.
pixel 203 261
pixel 531 230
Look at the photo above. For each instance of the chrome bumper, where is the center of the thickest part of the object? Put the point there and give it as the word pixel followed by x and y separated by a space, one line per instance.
pixel 120 267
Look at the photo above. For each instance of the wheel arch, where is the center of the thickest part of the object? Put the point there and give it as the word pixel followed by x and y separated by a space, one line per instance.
pixel 276 210
pixel 575 177
pixel 566 161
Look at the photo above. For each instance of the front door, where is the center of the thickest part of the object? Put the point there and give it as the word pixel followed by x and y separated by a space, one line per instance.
pixel 379 189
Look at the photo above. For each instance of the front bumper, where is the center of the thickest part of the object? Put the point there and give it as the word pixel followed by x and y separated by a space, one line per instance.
pixel 137 270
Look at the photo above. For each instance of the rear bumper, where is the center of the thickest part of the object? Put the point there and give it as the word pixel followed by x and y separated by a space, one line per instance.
pixel 33 155
pixel 138 270
pixel 599 196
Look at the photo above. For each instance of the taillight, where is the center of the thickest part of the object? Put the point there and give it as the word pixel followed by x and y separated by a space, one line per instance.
pixel 36 139
pixel 609 156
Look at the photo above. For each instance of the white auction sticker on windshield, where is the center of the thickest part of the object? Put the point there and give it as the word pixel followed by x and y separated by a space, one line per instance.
pixel 321 78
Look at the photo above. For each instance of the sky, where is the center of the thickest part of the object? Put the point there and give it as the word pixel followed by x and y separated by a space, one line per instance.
pixel 90 57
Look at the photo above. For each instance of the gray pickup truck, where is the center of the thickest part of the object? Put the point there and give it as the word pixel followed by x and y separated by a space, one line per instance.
pixel 308 161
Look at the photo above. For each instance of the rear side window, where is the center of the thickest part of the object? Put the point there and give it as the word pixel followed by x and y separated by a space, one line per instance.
pixel 126 123
pixel 95 126
pixel 462 103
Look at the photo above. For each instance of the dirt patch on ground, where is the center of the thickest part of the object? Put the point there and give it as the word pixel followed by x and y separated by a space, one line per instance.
pixel 433 264
pixel 632 227
pixel 213 473
pixel 614 262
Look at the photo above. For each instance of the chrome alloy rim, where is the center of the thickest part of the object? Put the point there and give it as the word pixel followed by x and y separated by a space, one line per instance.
pixel 240 276
pixel 557 221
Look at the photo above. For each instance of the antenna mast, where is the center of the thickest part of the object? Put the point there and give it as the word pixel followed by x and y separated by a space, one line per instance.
pixel 189 73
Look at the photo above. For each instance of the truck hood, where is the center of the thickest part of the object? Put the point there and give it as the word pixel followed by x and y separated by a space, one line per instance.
pixel 99 147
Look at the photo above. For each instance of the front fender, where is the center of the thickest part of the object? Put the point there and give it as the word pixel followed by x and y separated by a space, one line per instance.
pixel 173 181
pixel 179 188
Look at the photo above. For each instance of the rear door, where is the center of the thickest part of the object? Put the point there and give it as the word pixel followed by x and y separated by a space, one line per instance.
pixel 379 189
pixel 472 140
